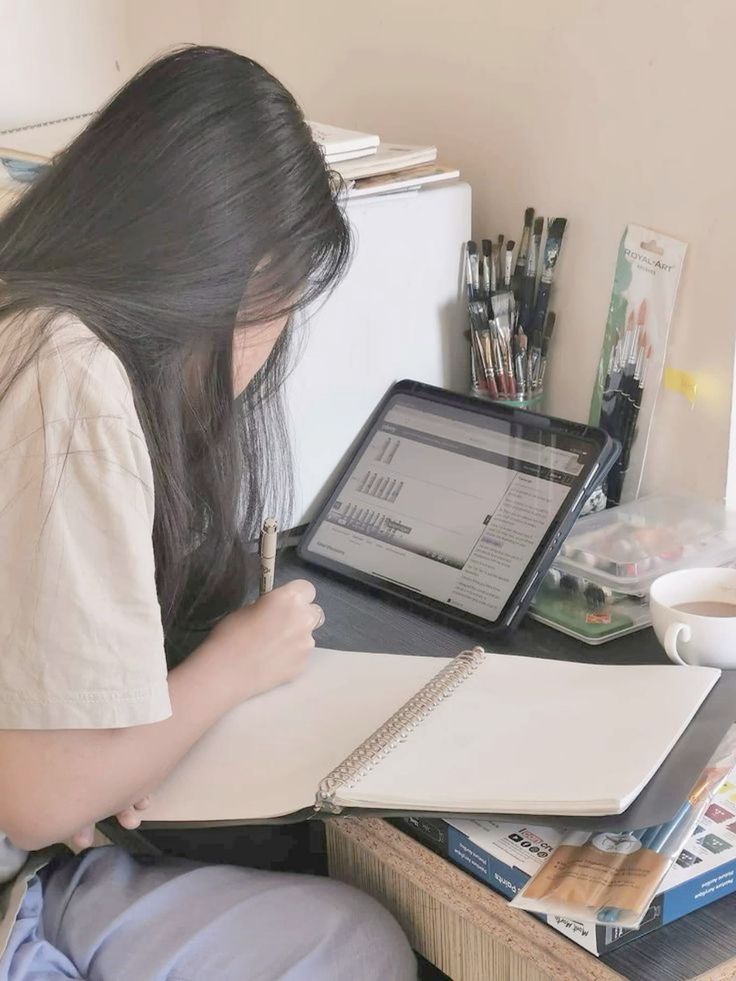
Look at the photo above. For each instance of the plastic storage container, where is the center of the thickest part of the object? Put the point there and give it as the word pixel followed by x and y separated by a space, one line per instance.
pixel 598 588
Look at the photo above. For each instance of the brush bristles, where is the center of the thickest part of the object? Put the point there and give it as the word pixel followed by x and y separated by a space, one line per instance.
pixel 538 226
pixel 528 217
pixel 556 228
pixel 472 248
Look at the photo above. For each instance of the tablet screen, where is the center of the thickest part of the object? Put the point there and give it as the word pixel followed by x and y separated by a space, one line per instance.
pixel 449 503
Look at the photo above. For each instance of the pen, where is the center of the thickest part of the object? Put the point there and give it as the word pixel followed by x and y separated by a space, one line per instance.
pixel 267 551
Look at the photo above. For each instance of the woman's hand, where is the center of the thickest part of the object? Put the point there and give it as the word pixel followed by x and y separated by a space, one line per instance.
pixel 250 651
pixel 268 643
pixel 130 819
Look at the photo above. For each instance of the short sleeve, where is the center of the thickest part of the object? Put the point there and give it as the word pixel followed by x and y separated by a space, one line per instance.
pixel 81 639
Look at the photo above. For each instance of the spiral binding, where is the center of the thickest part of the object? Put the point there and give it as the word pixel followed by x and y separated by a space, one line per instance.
pixel 393 732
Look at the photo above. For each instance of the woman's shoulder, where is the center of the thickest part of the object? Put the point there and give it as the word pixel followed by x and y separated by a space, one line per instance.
pixel 71 374
pixel 66 393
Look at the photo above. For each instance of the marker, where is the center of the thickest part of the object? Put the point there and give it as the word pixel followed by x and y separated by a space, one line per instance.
pixel 267 552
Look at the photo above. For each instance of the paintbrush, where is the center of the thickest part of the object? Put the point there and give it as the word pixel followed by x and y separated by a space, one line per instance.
pixel 520 363
pixel 534 364
pixel 476 352
pixel 499 366
pixel 628 418
pixel 529 284
pixel 529 288
pixel 620 408
pixel 508 262
pixel 477 370
pixel 471 269
pixel 538 380
pixel 486 272
pixel 619 359
pixel 520 268
pixel 502 318
pixel 555 232
pixel 538 230
pixel 542 363
pixel 480 334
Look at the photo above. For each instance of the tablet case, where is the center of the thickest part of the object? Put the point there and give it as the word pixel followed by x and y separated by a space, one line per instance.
pixel 532 576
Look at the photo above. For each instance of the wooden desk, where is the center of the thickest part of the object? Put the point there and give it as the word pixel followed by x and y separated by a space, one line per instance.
pixel 455 922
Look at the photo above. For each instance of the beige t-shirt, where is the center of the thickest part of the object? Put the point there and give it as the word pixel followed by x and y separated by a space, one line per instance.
pixel 81 640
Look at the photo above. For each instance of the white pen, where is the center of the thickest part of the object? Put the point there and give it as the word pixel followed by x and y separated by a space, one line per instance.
pixel 267 551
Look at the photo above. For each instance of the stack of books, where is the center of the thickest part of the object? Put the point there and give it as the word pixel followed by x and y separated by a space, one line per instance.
pixel 370 166
pixel 505 855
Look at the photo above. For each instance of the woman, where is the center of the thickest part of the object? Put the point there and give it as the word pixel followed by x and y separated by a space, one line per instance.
pixel 146 280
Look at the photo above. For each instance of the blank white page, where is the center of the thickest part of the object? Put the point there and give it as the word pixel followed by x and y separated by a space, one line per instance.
pixel 535 736
pixel 266 757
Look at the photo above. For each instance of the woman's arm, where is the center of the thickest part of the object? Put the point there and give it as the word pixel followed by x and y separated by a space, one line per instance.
pixel 55 782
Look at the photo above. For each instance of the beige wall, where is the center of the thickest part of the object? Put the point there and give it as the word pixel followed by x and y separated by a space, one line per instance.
pixel 152 26
pixel 606 111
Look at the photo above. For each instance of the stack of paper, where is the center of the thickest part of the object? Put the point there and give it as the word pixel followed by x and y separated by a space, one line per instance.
pixel 389 158
pixel 369 166
pixel 403 180
pixel 343 144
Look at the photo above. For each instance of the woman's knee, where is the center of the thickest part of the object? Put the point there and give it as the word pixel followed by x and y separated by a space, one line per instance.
pixel 360 933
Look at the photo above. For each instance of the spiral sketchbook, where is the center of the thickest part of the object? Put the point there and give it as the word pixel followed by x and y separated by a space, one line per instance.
pixel 476 734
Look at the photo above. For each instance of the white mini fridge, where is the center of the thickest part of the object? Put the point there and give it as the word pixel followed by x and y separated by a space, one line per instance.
pixel 398 313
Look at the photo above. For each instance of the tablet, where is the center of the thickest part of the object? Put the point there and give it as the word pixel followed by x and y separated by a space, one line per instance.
pixel 456 504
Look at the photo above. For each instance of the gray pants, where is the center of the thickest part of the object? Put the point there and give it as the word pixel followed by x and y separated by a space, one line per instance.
pixel 104 916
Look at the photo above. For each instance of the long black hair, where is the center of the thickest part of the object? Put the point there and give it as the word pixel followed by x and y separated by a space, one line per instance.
pixel 195 204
